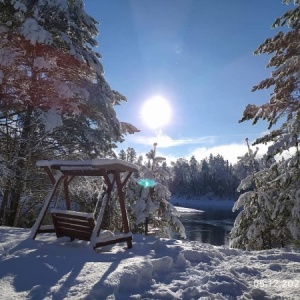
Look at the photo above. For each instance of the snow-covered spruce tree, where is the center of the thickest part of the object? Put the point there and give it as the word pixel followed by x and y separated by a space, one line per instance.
pixel 54 101
pixel 122 154
pixel 255 227
pixel 180 184
pixel 194 176
pixel 281 181
pixel 148 199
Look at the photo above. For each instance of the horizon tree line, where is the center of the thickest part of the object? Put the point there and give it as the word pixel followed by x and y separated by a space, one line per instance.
pixel 212 176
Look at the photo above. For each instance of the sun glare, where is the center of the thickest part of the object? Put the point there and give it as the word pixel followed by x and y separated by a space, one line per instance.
pixel 156 112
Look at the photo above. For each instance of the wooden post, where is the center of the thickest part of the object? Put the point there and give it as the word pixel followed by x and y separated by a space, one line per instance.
pixel 42 214
pixel 67 195
pixel 104 203
pixel 122 206
pixel 50 174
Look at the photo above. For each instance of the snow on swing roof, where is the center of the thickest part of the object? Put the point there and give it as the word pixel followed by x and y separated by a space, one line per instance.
pixel 93 164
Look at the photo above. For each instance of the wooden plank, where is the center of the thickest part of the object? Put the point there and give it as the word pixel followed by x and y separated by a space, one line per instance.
pixel 79 227
pixel 122 203
pixel 86 167
pixel 72 221
pixel 73 226
pixel 101 214
pixel 108 182
pixel 70 213
pixel 114 241
pixel 125 179
pixel 67 195
pixel 92 223
pixel 56 225
pixel 74 234
pixel 69 216
pixel 83 227
pixel 50 174
pixel 83 172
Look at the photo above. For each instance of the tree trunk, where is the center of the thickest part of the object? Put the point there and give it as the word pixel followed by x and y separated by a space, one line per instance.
pixel 17 189
pixel 146 226
pixel 3 207
pixel 14 203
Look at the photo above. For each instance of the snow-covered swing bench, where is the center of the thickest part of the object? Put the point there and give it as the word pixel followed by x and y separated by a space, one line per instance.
pixel 80 225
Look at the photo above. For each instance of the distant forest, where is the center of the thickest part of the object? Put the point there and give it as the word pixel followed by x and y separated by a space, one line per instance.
pixel 213 176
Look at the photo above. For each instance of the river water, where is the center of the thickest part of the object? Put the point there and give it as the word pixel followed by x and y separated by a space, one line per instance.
pixel 212 226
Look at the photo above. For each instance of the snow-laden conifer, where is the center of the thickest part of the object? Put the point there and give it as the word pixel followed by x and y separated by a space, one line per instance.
pixel 149 200
pixel 55 100
pixel 270 215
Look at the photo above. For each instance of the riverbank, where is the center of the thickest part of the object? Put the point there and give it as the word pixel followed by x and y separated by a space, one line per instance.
pixel 202 203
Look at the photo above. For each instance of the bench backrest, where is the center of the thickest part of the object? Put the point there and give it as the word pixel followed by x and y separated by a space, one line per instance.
pixel 72 224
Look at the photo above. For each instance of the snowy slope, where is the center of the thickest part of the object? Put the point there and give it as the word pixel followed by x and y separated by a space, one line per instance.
pixel 50 268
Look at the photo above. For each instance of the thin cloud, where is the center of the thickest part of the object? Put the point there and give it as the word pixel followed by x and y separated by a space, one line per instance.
pixel 229 152
pixel 165 141
pixel 232 152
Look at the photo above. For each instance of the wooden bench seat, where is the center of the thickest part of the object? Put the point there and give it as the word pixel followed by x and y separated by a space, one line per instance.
pixel 75 225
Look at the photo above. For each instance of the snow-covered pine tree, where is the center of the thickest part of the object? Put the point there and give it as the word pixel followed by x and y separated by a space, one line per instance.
pixel 194 176
pixel 213 176
pixel 180 184
pixel 254 226
pixel 86 194
pixel 122 154
pixel 149 200
pixel 281 181
pixel 130 155
pixel 54 98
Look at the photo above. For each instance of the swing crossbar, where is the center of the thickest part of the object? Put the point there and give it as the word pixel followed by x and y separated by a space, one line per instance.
pixel 73 224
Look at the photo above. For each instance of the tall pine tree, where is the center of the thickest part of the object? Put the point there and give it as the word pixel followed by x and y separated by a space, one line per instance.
pixel 277 187
pixel 54 99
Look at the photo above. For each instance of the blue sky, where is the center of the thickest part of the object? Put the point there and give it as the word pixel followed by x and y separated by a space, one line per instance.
pixel 196 54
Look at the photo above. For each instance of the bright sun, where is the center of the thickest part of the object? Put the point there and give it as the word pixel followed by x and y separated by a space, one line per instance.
pixel 156 112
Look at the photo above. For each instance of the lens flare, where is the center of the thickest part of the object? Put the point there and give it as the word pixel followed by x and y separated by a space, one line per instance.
pixel 147 183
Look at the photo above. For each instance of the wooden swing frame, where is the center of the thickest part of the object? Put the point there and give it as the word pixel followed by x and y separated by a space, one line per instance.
pixel 78 225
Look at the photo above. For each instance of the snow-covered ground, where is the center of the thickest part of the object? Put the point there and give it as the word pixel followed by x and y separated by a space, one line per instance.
pixel 50 268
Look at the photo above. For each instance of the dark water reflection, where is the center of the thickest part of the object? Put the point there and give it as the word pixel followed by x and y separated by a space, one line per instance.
pixel 212 226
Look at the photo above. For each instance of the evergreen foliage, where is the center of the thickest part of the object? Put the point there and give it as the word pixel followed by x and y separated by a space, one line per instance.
pixel 54 100
pixel 213 175
pixel 148 199
pixel 271 210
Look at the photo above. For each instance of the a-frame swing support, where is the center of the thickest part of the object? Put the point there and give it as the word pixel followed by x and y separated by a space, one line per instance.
pixel 78 225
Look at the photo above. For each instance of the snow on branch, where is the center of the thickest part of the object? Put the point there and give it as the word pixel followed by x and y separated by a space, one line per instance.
pixel 35 33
